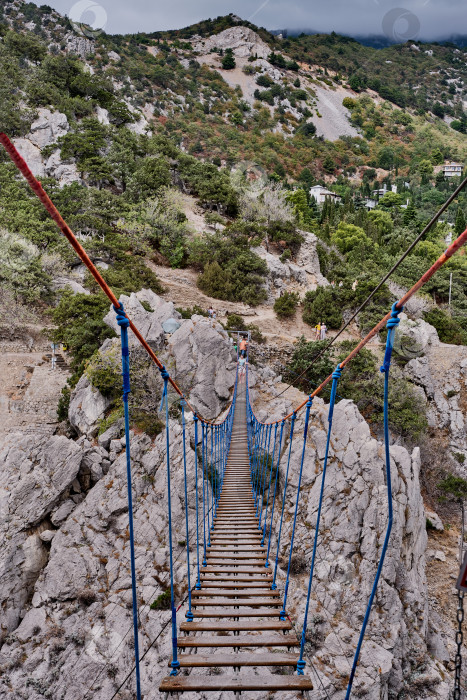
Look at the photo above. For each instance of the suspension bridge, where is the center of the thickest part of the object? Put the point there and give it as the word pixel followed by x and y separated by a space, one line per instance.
pixel 236 616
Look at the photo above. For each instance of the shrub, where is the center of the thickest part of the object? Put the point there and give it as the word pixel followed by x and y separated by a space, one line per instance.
pixel 162 602
pixel 64 404
pixel 104 372
pixel 194 311
pixel 448 330
pixel 229 62
pixel 285 306
pixel 231 270
pixel 304 356
pixel 323 305
pixel 453 488
pixel 80 326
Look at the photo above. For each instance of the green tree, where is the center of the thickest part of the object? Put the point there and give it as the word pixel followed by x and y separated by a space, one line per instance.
pixel 229 62
pixel 460 225
pixel 436 157
pixel 425 167
pixel 347 237
pixel 381 224
pixel 324 305
pixel 79 324
pixel 285 306
pixel 149 178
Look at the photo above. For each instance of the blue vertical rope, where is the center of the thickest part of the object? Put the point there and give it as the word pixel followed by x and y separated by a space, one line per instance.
pixel 270 481
pixel 264 479
pixel 203 452
pixel 124 323
pixel 175 664
pixel 292 423
pixel 335 378
pixel 283 613
pixel 211 507
pixel 392 324
pixel 188 614
pixel 275 490
pixel 262 442
pixel 256 428
pixel 198 582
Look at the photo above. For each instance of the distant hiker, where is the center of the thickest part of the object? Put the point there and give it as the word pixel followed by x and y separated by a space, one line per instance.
pixel 323 332
pixel 243 347
pixel 210 312
pixel 241 366
pixel 317 331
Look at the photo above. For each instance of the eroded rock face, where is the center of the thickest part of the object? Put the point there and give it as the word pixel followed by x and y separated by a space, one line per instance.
pixel 243 41
pixel 352 531
pixel 87 408
pixel 36 472
pixel 204 363
pixel 149 323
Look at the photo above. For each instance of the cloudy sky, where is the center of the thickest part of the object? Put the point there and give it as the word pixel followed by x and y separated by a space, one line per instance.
pixel 401 19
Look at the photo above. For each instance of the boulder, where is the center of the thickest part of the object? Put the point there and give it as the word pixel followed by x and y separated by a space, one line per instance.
pixel 204 364
pixel 149 323
pixel 87 408
pixel 435 521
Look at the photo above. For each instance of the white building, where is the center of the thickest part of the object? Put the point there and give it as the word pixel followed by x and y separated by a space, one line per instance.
pixel 384 190
pixel 320 193
pixel 452 170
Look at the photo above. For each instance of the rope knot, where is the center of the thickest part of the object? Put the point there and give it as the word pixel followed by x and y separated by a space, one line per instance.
pixel 300 667
pixel 394 321
pixel 164 374
pixel 122 319
pixel 337 374
pixel 309 403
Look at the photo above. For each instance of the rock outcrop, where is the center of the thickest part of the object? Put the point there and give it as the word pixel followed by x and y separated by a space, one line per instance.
pixel 87 408
pixel 243 41
pixel 353 526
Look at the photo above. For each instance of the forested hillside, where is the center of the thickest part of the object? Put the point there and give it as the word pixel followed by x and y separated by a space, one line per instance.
pixel 149 118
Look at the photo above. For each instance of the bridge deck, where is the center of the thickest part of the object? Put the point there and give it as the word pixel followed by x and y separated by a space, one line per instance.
pixel 236 607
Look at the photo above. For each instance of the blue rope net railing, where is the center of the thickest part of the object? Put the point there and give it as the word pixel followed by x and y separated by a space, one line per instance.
pixel 263 451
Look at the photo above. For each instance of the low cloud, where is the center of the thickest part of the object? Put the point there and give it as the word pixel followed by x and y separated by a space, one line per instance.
pixel 435 19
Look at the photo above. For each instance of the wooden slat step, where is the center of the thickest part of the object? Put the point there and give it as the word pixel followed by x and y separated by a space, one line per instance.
pixel 228 554
pixel 226 602
pixel 237 612
pixel 236 579
pixel 234 584
pixel 247 626
pixel 200 683
pixel 250 640
pixel 227 569
pixel 234 593
pixel 245 659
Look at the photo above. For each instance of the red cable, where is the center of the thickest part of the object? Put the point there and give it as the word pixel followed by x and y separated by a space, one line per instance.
pixel 80 251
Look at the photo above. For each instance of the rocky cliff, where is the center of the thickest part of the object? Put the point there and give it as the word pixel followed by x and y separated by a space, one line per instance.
pixel 66 587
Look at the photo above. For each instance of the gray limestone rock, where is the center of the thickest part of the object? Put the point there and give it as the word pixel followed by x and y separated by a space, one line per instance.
pixel 149 323
pixel 87 408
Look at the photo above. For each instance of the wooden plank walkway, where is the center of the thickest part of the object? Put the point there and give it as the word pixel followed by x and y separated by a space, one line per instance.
pixel 236 607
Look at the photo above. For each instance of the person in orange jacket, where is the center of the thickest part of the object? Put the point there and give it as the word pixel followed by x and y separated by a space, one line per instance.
pixel 243 347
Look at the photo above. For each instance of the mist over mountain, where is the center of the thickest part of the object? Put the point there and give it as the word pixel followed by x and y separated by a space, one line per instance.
pixel 377 41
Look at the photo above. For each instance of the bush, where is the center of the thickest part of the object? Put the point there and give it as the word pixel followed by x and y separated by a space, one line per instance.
pixel 231 271
pixel 286 305
pixel 194 311
pixel 448 330
pixel 105 373
pixel 305 354
pixel 80 326
pixel 162 602
pixel 323 305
